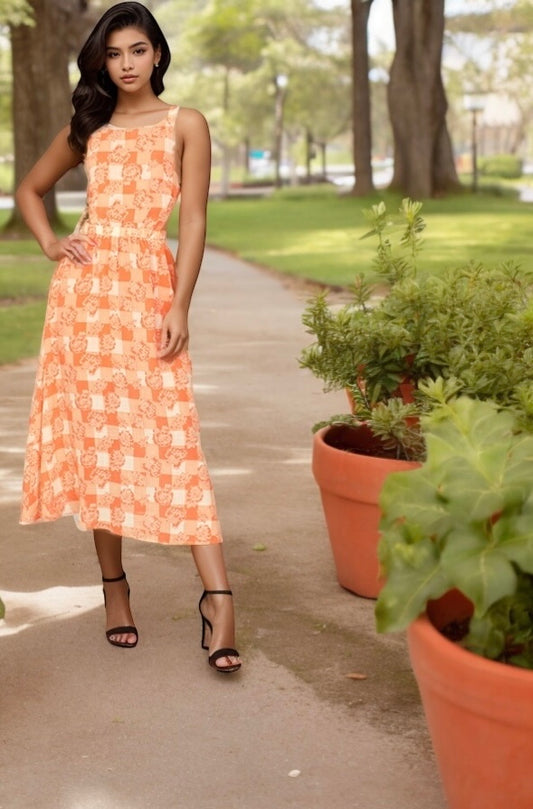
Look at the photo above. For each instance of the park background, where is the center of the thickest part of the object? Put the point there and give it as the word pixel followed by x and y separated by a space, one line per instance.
pixel 305 222
pixel 317 110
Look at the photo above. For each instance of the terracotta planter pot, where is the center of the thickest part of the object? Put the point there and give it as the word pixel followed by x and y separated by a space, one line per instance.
pixel 350 484
pixel 479 714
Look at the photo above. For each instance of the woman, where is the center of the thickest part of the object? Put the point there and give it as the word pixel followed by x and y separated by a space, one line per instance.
pixel 114 436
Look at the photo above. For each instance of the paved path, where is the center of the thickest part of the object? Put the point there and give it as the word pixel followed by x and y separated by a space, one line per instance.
pixel 86 726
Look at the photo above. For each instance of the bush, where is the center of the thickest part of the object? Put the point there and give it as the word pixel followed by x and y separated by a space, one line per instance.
pixel 463 521
pixel 503 165
pixel 472 327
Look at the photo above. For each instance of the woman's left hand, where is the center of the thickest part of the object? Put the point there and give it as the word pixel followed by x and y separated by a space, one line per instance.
pixel 174 334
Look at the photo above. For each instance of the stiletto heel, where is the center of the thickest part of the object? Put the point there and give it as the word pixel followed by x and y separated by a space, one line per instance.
pixel 120 630
pixel 206 624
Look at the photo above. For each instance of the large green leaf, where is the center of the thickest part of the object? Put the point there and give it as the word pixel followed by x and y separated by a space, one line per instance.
pixel 409 587
pixel 477 461
pixel 463 520
pixel 481 572
pixel 513 536
pixel 412 496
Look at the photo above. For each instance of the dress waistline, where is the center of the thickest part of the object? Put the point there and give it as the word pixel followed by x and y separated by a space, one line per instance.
pixel 119 231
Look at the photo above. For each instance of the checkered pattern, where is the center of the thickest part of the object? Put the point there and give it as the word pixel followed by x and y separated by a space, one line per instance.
pixel 114 434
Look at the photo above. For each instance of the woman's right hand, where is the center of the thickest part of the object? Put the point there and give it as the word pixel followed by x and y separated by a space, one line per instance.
pixel 75 247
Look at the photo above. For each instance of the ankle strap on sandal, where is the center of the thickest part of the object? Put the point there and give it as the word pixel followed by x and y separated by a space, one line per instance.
pixel 118 578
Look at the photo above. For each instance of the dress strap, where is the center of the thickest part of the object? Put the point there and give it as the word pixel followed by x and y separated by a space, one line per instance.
pixel 172 118
pixel 173 114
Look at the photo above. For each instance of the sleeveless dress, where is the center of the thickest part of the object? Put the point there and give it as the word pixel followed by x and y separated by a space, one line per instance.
pixel 114 435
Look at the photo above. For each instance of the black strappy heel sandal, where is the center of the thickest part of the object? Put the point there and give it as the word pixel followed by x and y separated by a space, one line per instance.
pixel 120 630
pixel 206 624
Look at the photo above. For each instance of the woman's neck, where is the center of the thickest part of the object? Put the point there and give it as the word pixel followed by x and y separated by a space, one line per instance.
pixel 137 103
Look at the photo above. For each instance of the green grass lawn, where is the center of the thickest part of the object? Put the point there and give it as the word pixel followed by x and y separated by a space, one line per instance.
pixel 27 276
pixel 314 233
pixel 20 330
pixel 24 278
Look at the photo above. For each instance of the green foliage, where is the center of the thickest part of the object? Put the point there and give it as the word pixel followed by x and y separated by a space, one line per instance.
pixel 394 424
pixel 227 34
pixel 473 326
pixel 228 53
pixel 388 264
pixel 464 520
pixel 16 12
pixel 503 165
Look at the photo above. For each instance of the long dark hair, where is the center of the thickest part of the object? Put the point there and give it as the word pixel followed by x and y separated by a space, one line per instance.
pixel 95 96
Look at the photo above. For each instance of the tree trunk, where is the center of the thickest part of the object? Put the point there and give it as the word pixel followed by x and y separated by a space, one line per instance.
pixel 362 129
pixel 41 88
pixel 423 156
pixel 246 156
pixel 323 158
pixel 225 179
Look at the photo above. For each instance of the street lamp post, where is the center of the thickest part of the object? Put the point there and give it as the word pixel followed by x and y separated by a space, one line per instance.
pixel 280 82
pixel 475 104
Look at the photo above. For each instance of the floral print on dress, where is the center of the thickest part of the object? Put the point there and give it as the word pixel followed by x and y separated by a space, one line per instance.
pixel 114 434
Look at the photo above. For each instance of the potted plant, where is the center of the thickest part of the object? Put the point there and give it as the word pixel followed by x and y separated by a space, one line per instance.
pixel 349 468
pixel 472 326
pixel 457 555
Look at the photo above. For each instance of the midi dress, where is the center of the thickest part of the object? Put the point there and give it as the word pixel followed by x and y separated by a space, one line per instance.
pixel 114 436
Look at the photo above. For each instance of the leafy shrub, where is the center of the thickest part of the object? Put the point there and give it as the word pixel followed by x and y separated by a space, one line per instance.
pixel 503 165
pixel 463 521
pixel 472 326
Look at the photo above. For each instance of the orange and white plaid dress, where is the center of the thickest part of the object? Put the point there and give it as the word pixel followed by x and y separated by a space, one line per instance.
pixel 114 435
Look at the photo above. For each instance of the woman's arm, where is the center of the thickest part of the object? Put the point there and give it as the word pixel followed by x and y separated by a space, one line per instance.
pixel 55 162
pixel 194 160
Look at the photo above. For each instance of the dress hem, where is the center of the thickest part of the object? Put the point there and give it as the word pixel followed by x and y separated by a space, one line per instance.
pixel 119 531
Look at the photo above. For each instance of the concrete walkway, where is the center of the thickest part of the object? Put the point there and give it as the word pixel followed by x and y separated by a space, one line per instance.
pixel 84 725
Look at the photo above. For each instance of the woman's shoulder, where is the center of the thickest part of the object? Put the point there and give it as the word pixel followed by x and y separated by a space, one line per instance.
pixel 62 149
pixel 189 118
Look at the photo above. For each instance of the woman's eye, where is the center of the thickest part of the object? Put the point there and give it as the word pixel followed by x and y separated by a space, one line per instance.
pixel 112 54
pixel 140 51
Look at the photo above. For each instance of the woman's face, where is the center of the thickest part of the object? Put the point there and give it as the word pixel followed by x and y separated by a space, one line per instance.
pixel 130 59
